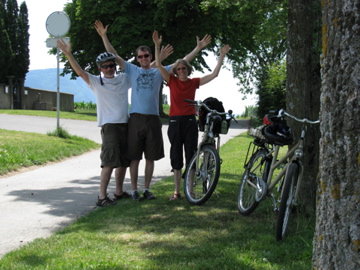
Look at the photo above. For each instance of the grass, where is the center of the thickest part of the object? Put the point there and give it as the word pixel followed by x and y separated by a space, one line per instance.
pixel 24 149
pixel 81 114
pixel 78 114
pixel 163 234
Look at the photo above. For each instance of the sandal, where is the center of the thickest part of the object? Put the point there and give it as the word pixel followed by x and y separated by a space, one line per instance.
pixel 105 202
pixel 175 196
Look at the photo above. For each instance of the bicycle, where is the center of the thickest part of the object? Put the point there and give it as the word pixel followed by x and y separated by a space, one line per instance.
pixel 203 171
pixel 259 180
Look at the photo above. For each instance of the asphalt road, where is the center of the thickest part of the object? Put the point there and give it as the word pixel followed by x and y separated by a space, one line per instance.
pixel 38 201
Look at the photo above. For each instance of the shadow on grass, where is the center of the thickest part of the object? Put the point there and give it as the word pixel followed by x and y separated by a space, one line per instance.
pixel 86 113
pixel 212 236
pixel 163 234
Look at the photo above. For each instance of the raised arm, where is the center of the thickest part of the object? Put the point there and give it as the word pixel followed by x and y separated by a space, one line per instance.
pixel 165 52
pixel 157 41
pixel 66 49
pixel 223 51
pixel 102 31
pixel 200 44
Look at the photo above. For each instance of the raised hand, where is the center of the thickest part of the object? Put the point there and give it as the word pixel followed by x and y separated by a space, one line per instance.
pixel 225 49
pixel 156 38
pixel 166 51
pixel 100 29
pixel 203 42
pixel 63 46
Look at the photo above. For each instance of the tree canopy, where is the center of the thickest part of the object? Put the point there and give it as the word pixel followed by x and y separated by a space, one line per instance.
pixel 256 30
pixel 14 40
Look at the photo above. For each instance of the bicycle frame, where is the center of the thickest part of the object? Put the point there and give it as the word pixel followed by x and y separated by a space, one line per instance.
pixel 266 171
pixel 208 137
pixel 293 154
pixel 203 171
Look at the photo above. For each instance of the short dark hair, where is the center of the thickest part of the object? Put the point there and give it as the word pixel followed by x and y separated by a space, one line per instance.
pixel 143 48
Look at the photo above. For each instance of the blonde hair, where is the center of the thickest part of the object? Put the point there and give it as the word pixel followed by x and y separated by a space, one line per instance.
pixel 185 63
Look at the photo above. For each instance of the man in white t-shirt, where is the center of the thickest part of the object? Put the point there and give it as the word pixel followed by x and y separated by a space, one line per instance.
pixel 111 93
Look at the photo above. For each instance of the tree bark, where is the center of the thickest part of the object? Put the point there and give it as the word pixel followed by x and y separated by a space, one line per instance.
pixel 303 85
pixel 337 235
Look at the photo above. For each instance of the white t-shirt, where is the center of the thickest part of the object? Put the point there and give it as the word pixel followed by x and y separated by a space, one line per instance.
pixel 112 98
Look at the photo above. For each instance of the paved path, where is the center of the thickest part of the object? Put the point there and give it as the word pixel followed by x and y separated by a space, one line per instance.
pixel 41 200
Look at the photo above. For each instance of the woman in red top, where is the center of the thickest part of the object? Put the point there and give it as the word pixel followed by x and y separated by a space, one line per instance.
pixel 183 132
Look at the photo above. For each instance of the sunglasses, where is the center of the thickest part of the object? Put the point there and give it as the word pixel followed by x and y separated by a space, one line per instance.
pixel 181 68
pixel 143 56
pixel 108 66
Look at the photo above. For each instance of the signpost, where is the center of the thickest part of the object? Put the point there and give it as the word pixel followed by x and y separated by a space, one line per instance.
pixel 57 25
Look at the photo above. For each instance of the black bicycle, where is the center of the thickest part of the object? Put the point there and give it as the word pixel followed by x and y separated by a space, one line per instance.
pixel 202 173
pixel 259 179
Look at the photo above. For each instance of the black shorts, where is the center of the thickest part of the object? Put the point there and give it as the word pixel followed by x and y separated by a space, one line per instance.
pixel 145 136
pixel 114 145
pixel 183 134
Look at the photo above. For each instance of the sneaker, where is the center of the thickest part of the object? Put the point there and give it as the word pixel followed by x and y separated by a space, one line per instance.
pixel 135 195
pixel 123 195
pixel 148 195
pixel 105 202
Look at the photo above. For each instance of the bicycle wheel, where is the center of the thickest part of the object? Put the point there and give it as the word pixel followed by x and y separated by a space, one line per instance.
pixel 199 185
pixel 286 201
pixel 257 168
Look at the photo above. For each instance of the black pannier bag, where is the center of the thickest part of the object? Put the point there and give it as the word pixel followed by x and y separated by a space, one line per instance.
pixel 214 104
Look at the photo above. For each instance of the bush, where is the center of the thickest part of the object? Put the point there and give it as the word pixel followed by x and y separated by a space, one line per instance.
pixel 84 106
pixel 60 132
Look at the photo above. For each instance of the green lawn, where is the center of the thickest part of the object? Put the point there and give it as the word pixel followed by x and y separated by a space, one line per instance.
pixel 78 114
pixel 89 115
pixel 24 149
pixel 163 234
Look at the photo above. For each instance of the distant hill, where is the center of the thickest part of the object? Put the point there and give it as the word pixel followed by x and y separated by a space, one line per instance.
pixel 46 79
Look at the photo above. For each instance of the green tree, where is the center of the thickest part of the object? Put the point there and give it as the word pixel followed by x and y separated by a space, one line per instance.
pixel 10 20
pixel 271 88
pixel 22 57
pixel 14 27
pixel 5 45
pixel 256 30
pixel 130 28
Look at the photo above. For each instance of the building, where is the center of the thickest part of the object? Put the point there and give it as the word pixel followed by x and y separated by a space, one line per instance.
pixel 26 98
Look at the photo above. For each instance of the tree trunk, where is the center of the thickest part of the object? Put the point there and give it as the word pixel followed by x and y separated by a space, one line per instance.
pixel 303 85
pixel 337 236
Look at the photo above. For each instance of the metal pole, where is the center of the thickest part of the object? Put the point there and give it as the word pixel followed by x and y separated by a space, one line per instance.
pixel 58 91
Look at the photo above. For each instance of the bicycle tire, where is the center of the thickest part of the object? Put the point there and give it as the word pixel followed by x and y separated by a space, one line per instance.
pixel 257 167
pixel 286 201
pixel 198 187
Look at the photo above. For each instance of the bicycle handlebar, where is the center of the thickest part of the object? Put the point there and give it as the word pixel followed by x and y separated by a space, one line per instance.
pixel 199 103
pixel 282 112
